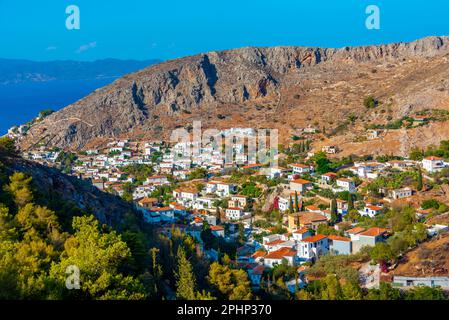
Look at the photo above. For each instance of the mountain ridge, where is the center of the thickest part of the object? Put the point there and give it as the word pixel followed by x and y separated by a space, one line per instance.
pixel 228 87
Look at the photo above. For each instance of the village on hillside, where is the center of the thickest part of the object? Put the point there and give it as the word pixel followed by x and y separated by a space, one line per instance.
pixel 295 221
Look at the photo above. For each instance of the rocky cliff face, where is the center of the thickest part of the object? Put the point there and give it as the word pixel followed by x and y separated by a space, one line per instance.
pixel 106 207
pixel 248 86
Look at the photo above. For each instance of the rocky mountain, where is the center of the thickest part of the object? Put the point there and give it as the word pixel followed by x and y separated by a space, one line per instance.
pixel 18 71
pixel 287 88
pixel 51 183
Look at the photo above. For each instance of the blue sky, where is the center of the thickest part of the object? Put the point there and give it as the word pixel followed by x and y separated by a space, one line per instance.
pixel 144 29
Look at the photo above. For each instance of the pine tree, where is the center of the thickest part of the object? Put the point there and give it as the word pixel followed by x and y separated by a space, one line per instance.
pixel 185 279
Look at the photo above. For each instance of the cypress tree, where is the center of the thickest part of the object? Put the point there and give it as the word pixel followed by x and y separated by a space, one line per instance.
pixel 296 202
pixel 334 213
pixel 290 207
pixel 420 183
pixel 350 202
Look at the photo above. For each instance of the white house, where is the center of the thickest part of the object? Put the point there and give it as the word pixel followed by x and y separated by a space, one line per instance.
pixel 328 177
pixel 371 211
pixel 300 185
pixel 218 231
pixel 185 196
pixel 342 206
pixel 277 257
pixel 301 234
pixel 311 248
pixel 237 201
pixel 346 185
pixel 299 168
pixel 433 164
pixel 400 193
pixel 234 213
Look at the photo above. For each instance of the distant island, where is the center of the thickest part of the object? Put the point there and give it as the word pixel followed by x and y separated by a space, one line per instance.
pixel 14 71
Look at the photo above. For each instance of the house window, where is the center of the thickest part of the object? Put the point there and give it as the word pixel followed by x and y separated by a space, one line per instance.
pixel 409 283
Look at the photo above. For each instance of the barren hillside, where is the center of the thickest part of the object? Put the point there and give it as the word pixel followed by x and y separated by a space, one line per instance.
pixel 288 88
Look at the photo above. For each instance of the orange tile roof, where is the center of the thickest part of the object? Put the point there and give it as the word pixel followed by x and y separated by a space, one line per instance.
pixel 310 217
pixel 234 209
pixel 315 238
pixel 355 230
pixel 148 200
pixel 275 242
pixel 375 208
pixel 300 181
pixel 313 208
pixel 433 158
pixel 339 238
pixel 329 174
pixel 259 253
pixel 281 253
pixel 301 231
pixel 373 232
pixel 216 228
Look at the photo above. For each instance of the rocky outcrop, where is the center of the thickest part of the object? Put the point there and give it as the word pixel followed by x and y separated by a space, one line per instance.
pixel 156 99
pixel 106 207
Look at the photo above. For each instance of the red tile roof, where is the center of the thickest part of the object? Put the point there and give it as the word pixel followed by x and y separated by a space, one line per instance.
pixel 315 238
pixel 355 230
pixel 300 181
pixel 281 253
pixel 433 158
pixel 373 232
pixel 339 238
pixel 301 231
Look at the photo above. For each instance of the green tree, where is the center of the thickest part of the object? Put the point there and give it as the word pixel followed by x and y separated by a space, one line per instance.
pixel 7 148
pixel 185 279
pixel 230 283
pixel 20 189
pixel 381 252
pixel 425 293
pixel 350 202
pixel 419 184
pixel 99 256
pixel 321 163
pixel 332 289
pixel 296 202
pixel 352 291
pixel 334 212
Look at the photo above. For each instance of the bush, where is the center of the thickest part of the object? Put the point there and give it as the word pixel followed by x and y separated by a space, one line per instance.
pixel 370 102
pixel 7 147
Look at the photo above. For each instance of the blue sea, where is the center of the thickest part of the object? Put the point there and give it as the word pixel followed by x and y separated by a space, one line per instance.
pixel 19 103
